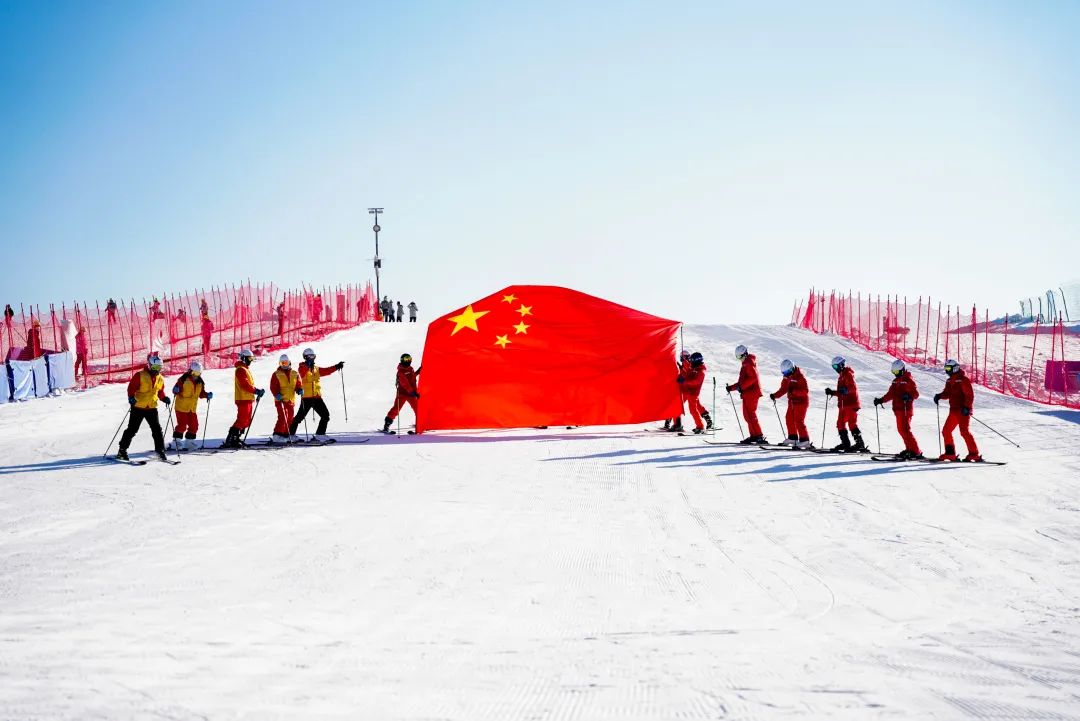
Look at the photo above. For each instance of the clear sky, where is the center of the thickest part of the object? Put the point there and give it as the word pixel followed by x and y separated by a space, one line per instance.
pixel 702 161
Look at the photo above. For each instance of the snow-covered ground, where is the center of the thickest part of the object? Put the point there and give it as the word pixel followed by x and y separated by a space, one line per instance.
pixel 584 574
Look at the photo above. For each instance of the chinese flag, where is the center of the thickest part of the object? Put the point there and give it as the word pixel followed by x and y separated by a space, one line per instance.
pixel 536 355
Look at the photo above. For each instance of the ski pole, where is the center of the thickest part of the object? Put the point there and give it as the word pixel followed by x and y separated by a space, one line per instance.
pixel 206 423
pixel 825 424
pixel 733 410
pixel 168 425
pixel 938 407
pixel 343 401
pixel 877 422
pixel 783 431
pixel 1010 441
pixel 714 400
pixel 252 420
pixel 126 413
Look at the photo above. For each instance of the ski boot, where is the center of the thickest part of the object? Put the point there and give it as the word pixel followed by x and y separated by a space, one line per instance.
pixel 121 455
pixel 161 455
pixel 845 443
pixel 708 421
pixel 386 424
pixel 949 454
pixel 676 427
pixel 698 431
pixel 859 446
pixel 789 441
pixel 804 445
pixel 667 424
pixel 973 458
pixel 232 439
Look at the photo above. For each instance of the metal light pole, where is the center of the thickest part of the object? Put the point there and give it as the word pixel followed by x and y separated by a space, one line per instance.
pixel 378 260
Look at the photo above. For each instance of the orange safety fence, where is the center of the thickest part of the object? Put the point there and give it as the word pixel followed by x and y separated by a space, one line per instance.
pixel 1032 357
pixel 209 325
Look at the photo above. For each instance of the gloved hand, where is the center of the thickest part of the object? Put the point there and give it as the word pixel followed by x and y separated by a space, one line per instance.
pixel 830 392
pixel 679 379
pixel 906 398
pixel 732 387
pixel 772 396
pixel 259 392
pixel 937 398
pixel 415 394
pixel 877 401
pixel 131 400
pixel 167 401
pixel 176 390
pixel 340 365
pixel 278 397
pixel 300 392
pixel 965 411
pixel 209 396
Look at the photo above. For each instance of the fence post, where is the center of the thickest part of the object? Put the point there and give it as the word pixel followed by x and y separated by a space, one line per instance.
pixel 1031 368
pixel 1005 353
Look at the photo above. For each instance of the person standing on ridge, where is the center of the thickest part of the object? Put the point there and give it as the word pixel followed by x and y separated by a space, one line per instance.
pixel 750 393
pixel 961 397
pixel 794 386
pixel 81 350
pixel 400 312
pixel 690 381
pixel 675 424
pixel 189 388
pixel 311 395
pixel 144 390
pixel 8 313
pixel 847 404
pixel 406 390
pixel 244 394
pixel 903 392
pixel 285 386
pixel 207 329
pixel 281 319
pixel 412 311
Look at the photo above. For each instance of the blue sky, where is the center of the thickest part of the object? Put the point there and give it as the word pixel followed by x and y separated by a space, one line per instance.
pixel 706 161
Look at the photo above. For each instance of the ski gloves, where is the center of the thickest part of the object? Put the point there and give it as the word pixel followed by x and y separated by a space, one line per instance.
pixel 259 392
pixel 340 365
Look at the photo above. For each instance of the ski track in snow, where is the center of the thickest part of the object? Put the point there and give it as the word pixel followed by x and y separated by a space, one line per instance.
pixel 540 574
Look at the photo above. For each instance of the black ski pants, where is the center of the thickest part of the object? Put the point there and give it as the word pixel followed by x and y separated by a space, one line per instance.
pixel 311 404
pixel 138 415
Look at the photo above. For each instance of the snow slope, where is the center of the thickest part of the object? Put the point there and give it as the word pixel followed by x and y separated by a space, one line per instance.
pixel 584 574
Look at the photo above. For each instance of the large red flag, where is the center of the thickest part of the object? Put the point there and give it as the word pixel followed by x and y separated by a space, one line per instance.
pixel 536 355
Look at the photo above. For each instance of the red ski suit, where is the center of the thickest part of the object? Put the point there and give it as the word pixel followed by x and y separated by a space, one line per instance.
pixel 796 389
pixel 961 400
pixel 280 385
pixel 406 390
pixel 903 392
pixel 847 401
pixel 750 391
pixel 693 379
pixel 243 394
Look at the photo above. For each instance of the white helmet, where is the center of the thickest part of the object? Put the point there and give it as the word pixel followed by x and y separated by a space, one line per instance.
pixel 684 355
pixel 838 362
pixel 898 367
pixel 154 362
pixel 787 367
pixel 284 361
pixel 308 353
pixel 195 367
pixel 246 353
pixel 952 366
pixel 741 352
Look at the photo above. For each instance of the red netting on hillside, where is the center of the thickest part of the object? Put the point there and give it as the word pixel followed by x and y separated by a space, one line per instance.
pixel 208 325
pixel 1033 358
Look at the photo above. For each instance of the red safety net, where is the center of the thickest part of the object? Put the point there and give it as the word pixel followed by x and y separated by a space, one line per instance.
pixel 210 326
pixel 1034 358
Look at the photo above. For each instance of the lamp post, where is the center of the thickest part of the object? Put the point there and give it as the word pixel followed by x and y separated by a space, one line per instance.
pixel 378 260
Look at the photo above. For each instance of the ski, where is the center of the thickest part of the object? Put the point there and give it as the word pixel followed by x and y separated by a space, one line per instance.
pixel 728 443
pixel 128 462
pixel 969 463
pixel 896 459
pixel 171 463
pixel 776 447
pixel 842 453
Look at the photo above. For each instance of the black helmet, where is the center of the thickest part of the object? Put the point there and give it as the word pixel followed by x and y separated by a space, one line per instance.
pixel 696 359
pixel 406 359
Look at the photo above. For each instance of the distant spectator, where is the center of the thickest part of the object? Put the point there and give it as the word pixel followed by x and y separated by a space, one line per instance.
pixel 207 331
pixel 281 318
pixel 400 312
pixel 81 350
pixel 181 316
pixel 359 310
pixel 8 313
pixel 110 308
pixel 33 339
pixel 412 311
pixel 384 308
pixel 317 308
pixel 155 310
pixel 204 309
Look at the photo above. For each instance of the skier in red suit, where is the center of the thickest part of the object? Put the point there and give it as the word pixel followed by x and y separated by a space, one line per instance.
pixel 794 386
pixel 961 397
pixel 903 392
pixel 847 403
pixel 691 378
pixel 750 392
pixel 406 390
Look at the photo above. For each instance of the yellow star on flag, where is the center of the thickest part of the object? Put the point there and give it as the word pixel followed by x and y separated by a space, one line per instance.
pixel 509 298
pixel 521 327
pixel 467 319
pixel 525 310
pixel 502 340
